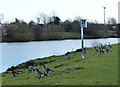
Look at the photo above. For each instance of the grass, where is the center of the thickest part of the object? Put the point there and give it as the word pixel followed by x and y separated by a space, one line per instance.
pixel 0 79
pixel 96 69
pixel 60 35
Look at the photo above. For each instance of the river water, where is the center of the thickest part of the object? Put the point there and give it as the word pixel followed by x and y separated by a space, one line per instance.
pixel 16 53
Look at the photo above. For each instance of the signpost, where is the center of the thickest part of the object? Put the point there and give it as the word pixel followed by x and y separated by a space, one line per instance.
pixel 83 24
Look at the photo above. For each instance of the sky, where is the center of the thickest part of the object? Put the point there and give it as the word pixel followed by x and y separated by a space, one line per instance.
pixel 28 10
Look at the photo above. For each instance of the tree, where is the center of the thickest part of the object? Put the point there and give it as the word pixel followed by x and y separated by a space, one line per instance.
pixel 76 25
pixel 95 21
pixel 31 23
pixel 1 18
pixel 53 13
pixel 56 20
pixel 111 20
pixel 78 18
pixel 91 31
pixel 1 30
pixel 68 26
pixel 38 32
pixel 44 18
pixel 19 33
pixel 16 20
pixel 118 30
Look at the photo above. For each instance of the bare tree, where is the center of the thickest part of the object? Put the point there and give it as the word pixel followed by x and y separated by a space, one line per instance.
pixel 53 17
pixel 78 18
pixel 1 28
pixel 111 20
pixel 44 18
pixel 53 13
pixel 1 18
pixel 96 21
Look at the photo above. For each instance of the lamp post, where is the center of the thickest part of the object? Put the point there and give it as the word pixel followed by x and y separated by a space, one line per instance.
pixel 104 14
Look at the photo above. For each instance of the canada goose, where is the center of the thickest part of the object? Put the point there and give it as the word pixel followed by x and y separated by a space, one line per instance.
pixel 107 50
pixel 47 70
pixel 31 68
pixel 103 47
pixel 39 63
pixel 15 72
pixel 31 63
pixel 96 50
pixel 100 44
pixel 68 57
pixel 101 51
pixel 80 50
pixel 40 74
pixel 110 46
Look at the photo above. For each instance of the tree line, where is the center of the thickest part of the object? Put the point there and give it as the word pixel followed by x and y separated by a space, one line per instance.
pixel 52 28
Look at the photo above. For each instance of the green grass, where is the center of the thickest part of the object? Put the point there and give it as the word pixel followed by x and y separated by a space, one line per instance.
pixel 96 69
pixel 60 35
pixel 0 79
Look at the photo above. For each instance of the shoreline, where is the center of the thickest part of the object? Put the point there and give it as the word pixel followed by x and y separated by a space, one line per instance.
pixel 52 54
pixel 58 39
pixel 73 70
pixel 18 66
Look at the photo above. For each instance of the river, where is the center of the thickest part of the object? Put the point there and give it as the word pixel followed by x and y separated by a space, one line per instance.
pixel 16 53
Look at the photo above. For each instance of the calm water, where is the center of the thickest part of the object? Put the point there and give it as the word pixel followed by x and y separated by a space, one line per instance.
pixel 15 53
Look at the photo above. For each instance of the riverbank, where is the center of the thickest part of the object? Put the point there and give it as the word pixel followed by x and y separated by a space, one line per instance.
pixel 96 69
pixel 67 38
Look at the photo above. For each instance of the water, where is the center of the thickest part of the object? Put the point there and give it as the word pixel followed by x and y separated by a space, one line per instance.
pixel 16 53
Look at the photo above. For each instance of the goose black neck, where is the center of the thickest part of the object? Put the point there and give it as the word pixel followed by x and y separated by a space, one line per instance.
pixel 37 70
pixel 44 66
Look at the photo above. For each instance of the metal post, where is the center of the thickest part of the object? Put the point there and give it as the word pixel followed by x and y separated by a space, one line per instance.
pixel 82 43
pixel 83 25
pixel 104 14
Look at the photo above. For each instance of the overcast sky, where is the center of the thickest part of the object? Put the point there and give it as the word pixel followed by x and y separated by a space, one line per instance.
pixel 65 9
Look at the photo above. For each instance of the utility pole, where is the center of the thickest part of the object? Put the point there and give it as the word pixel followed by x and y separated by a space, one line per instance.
pixel 104 14
pixel 83 24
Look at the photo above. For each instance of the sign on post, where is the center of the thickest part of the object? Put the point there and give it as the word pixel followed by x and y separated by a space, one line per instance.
pixel 83 24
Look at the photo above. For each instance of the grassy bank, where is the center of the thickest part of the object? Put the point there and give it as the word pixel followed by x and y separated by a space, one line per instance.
pixel 60 35
pixel 96 69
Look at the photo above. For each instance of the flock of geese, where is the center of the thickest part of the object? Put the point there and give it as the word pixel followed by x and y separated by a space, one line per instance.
pixel 39 73
pixel 101 49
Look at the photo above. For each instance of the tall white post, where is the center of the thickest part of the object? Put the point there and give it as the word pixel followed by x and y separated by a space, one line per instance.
pixel 83 24
pixel 104 14
pixel 82 43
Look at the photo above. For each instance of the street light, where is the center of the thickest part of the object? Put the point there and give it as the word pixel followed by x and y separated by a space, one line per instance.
pixel 104 14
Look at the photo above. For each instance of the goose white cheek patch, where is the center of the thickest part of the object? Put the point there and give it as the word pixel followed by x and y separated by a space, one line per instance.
pixel 42 75
pixel 50 72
